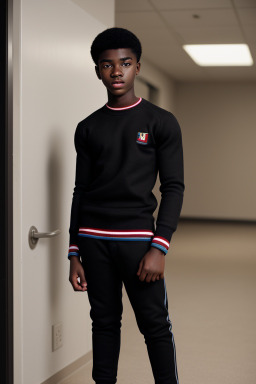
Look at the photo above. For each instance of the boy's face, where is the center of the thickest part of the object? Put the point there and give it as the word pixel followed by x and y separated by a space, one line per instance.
pixel 117 69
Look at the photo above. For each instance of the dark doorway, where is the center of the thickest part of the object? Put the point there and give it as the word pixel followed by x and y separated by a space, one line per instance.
pixel 6 195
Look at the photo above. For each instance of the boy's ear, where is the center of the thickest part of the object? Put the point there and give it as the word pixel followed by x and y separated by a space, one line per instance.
pixel 138 65
pixel 97 72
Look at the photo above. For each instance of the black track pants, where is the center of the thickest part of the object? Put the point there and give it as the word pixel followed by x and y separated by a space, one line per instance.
pixel 107 265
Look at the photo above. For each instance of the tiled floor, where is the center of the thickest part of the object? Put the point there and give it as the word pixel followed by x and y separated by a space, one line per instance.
pixel 210 274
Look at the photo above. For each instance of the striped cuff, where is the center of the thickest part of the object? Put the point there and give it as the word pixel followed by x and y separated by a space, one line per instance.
pixel 73 250
pixel 160 243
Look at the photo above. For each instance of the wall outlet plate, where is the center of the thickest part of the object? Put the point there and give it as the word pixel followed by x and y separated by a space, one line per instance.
pixel 57 336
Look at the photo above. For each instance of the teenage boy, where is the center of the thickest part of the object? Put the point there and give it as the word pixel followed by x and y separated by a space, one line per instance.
pixel 113 237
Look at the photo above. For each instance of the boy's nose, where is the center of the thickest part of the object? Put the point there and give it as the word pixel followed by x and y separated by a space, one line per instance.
pixel 116 72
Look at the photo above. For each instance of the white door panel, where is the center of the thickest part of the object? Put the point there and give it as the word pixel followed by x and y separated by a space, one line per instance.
pixel 58 88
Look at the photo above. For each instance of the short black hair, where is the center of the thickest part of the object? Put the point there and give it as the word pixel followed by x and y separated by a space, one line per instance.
pixel 114 38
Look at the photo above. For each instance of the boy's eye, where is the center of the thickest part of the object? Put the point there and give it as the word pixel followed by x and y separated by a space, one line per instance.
pixel 125 64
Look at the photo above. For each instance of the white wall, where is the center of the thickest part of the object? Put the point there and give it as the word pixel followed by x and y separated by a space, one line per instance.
pixel 53 79
pixel 218 122
pixel 162 82
pixel 142 89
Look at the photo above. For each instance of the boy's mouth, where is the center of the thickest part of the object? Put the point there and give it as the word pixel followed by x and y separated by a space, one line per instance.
pixel 117 84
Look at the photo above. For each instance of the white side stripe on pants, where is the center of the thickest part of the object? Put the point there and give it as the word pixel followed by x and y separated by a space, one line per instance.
pixel 170 329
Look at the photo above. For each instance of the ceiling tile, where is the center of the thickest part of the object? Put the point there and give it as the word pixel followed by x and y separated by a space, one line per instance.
pixel 214 18
pixel 190 4
pixel 247 16
pixel 157 43
pixel 176 67
pixel 166 54
pixel 211 35
pixel 244 3
pixel 133 5
pixel 136 21
pixel 250 33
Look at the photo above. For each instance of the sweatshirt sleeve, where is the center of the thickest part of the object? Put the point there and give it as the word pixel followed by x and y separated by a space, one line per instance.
pixel 82 179
pixel 171 174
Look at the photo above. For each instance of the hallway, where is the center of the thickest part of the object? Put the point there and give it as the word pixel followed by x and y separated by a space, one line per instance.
pixel 211 285
pixel 50 85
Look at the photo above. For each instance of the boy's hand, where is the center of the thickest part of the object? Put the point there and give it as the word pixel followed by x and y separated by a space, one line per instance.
pixel 151 266
pixel 76 270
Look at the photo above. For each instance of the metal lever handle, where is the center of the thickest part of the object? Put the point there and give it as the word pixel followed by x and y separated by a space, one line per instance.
pixel 39 235
pixel 34 235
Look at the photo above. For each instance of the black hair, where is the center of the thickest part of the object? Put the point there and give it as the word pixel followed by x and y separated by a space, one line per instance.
pixel 114 38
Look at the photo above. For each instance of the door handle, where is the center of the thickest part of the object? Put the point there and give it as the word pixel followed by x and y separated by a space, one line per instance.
pixel 34 235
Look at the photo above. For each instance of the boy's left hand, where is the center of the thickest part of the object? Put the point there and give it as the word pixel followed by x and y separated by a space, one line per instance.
pixel 151 265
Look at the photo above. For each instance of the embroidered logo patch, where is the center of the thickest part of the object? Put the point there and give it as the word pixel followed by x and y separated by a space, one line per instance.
pixel 142 138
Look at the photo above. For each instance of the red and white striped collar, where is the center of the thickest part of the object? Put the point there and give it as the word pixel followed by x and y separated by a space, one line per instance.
pixel 123 108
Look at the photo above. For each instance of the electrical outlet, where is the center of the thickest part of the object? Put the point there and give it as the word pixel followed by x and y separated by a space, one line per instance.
pixel 57 336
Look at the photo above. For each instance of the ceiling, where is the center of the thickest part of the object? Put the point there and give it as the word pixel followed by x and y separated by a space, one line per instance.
pixel 163 26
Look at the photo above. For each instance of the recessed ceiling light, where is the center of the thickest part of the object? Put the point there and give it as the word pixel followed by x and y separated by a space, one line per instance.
pixel 220 54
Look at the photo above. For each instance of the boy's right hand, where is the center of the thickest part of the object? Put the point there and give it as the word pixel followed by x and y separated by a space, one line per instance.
pixel 77 271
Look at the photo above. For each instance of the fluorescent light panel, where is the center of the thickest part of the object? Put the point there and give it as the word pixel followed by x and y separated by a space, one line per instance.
pixel 220 54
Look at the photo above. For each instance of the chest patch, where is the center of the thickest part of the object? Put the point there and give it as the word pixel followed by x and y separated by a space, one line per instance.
pixel 142 138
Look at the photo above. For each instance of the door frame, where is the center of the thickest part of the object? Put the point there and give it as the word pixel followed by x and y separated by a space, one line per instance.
pixel 6 192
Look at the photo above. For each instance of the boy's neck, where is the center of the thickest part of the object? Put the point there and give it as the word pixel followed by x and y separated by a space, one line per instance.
pixel 121 101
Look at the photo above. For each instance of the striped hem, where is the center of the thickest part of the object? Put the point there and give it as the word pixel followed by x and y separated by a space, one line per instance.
pixel 161 243
pixel 73 250
pixel 114 234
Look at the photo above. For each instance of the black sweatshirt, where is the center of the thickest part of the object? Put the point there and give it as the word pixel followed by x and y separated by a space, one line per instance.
pixel 119 153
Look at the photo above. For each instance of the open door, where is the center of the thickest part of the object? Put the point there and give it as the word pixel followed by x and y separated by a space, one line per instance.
pixel 55 87
pixel 6 195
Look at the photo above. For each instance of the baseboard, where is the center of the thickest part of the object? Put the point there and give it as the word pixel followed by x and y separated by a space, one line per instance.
pixel 69 369
pixel 216 220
